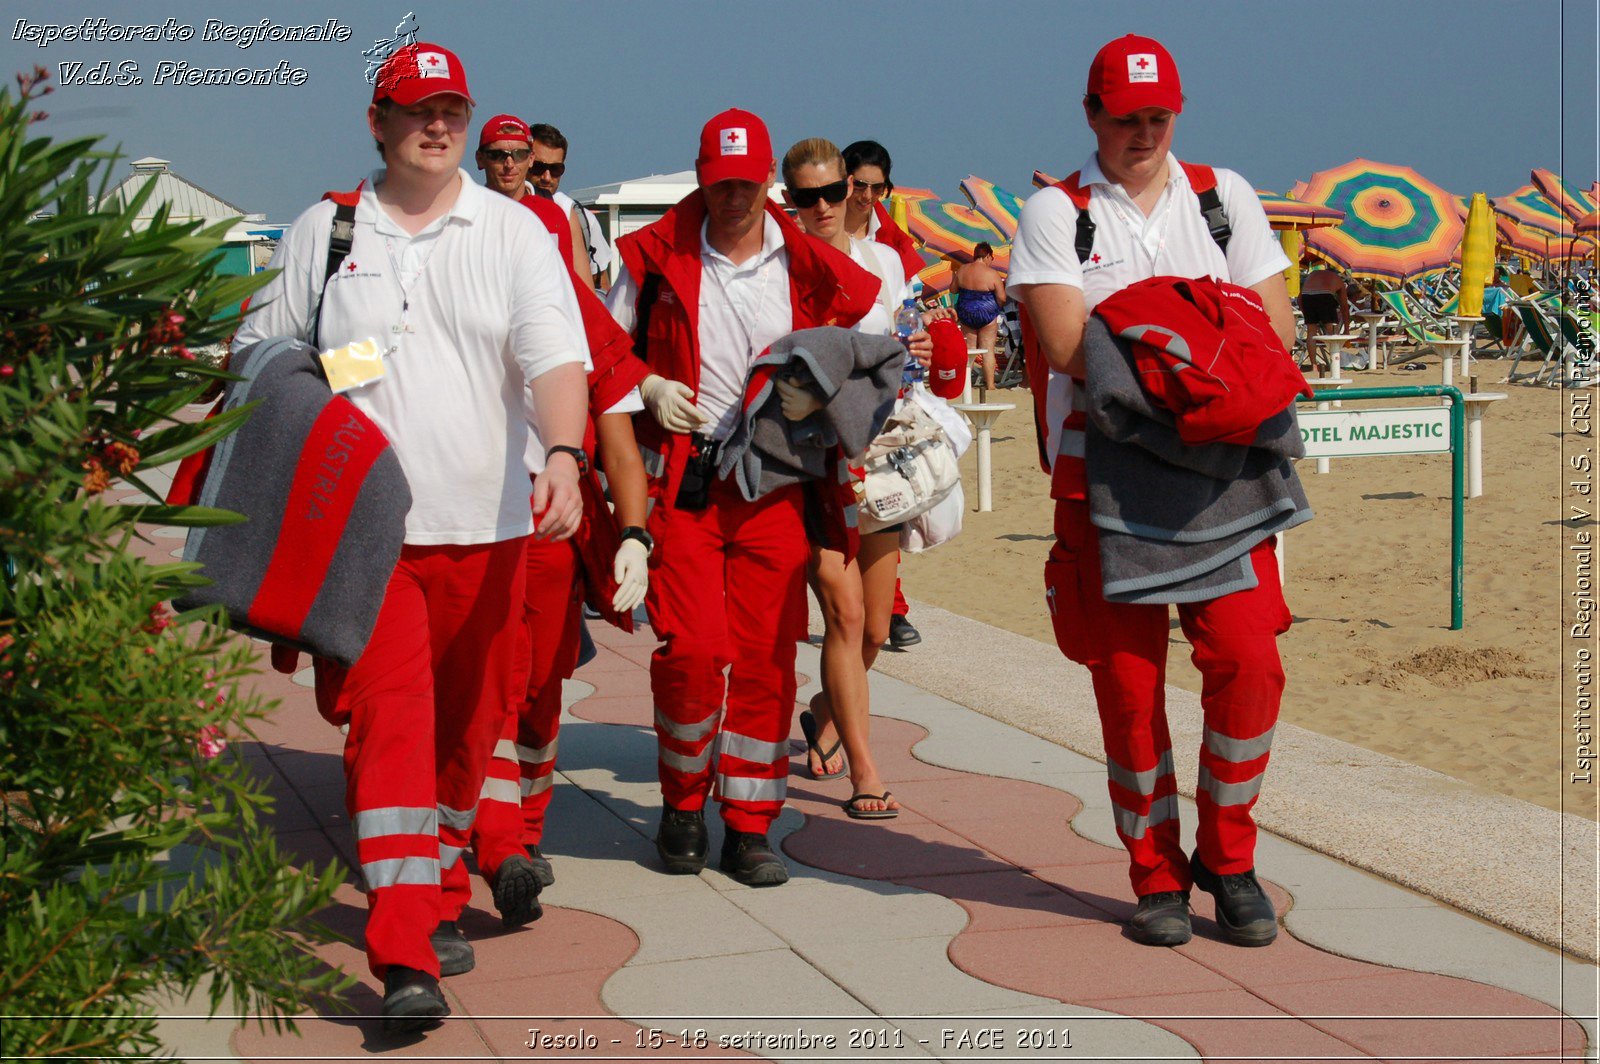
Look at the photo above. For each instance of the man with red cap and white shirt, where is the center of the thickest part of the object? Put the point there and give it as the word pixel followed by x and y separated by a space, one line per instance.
pixel 473 309
pixel 505 154
pixel 1134 212
pixel 704 290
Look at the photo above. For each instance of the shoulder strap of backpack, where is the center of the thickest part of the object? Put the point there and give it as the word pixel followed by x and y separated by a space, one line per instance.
pixel 1083 240
pixel 340 240
pixel 648 288
pixel 1203 180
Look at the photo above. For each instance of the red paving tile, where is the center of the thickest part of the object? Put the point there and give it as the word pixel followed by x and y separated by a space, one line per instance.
pixel 1077 962
pixel 1251 1028
pixel 1008 899
pixel 894 850
pixel 623 709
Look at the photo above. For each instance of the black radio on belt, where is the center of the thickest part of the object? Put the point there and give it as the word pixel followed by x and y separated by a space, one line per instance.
pixel 694 492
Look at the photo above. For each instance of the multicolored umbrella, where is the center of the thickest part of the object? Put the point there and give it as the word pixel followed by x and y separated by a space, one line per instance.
pixel 1397 225
pixel 1529 209
pixel 997 206
pixel 1043 180
pixel 945 228
pixel 1284 213
pixel 1589 224
pixel 1568 198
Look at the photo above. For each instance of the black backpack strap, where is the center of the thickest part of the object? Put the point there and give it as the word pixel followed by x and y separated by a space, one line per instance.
pixel 1216 218
pixel 1084 240
pixel 340 241
pixel 648 289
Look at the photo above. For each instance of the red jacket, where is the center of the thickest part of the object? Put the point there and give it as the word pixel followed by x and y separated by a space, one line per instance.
pixel 891 234
pixel 825 288
pixel 1206 351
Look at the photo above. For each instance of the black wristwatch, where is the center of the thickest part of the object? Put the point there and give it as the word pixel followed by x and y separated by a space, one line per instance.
pixel 635 532
pixel 578 454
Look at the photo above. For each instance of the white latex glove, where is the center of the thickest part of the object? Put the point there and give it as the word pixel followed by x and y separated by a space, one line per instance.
pixel 671 403
pixel 796 400
pixel 631 569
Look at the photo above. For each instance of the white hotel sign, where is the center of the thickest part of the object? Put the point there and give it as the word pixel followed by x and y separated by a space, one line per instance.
pixel 1375 430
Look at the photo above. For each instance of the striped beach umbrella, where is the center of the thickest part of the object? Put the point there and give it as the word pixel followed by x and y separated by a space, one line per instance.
pixel 997 206
pixel 1528 207
pixel 1043 180
pixel 1568 198
pixel 1284 213
pixel 1397 225
pixel 1589 225
pixel 946 228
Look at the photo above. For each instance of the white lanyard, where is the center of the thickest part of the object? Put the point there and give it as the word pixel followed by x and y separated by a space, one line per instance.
pixel 1137 230
pixel 397 331
pixel 750 327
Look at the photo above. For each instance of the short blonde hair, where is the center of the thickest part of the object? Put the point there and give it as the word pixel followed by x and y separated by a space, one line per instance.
pixel 813 151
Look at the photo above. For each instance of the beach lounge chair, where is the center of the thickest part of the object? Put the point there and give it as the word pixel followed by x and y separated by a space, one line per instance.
pixel 1559 356
pixel 1417 327
pixel 1009 371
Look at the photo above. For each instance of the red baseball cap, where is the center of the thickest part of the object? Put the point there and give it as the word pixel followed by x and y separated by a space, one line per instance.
pixel 1132 73
pixel 419 71
pixel 947 372
pixel 734 145
pixel 505 127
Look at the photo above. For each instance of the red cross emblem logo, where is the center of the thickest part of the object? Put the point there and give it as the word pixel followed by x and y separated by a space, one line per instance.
pixel 1095 258
pixel 1143 68
pixel 1142 63
pixel 732 141
pixel 351 267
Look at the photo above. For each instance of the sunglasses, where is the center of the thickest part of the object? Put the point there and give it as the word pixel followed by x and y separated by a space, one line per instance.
pixel 553 169
pixel 872 189
pixel 806 198
pixel 500 155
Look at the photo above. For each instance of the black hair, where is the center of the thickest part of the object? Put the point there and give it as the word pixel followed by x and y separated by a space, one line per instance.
pixel 548 135
pixel 867 153
pixel 981 249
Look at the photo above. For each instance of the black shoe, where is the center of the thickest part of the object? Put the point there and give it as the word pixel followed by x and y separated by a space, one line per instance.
pixel 747 858
pixel 452 948
pixel 516 891
pixel 681 841
pixel 412 1001
pixel 541 867
pixel 1244 911
pixel 1162 919
pixel 902 633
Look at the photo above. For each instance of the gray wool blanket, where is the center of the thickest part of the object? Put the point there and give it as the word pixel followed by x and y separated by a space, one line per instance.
pixel 325 502
pixel 856 375
pixel 1177 523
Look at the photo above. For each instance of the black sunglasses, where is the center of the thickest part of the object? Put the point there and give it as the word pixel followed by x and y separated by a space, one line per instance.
pixel 873 188
pixel 500 155
pixel 806 198
pixel 553 169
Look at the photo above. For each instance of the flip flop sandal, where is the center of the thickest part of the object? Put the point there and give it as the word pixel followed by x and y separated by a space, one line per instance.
pixel 808 725
pixel 855 812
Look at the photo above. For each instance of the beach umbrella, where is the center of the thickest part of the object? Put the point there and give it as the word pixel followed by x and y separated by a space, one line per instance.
pixel 1397 225
pixel 1477 256
pixel 1290 239
pixel 1588 225
pixel 1043 180
pixel 945 228
pixel 1285 214
pixel 997 206
pixel 1568 198
pixel 1528 207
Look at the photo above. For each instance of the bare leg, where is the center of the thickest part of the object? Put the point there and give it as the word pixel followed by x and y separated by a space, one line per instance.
pixel 987 336
pixel 878 563
pixel 844 680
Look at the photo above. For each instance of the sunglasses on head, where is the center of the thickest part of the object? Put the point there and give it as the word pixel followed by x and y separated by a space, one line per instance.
pixel 806 198
pixel 873 189
pixel 553 169
pixel 500 155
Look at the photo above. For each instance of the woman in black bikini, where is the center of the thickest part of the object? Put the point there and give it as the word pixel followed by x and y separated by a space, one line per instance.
pixel 980 292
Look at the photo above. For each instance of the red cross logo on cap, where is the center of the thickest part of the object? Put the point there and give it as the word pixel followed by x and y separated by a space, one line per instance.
pixel 733 136
pixel 1143 63
pixel 433 60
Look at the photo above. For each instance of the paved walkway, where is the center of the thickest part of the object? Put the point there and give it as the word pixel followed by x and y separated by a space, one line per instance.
pixel 985 922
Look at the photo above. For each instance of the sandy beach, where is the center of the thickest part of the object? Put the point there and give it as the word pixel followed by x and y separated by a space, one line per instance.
pixel 1371 658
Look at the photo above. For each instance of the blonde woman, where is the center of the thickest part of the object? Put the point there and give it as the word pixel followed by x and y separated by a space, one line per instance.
pixel 856 596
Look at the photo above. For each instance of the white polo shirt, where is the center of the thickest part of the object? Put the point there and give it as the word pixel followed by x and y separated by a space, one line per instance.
pixel 883 262
pixel 490 308
pixel 1129 247
pixel 743 309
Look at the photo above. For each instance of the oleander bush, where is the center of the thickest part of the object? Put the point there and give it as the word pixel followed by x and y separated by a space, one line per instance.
pixel 136 863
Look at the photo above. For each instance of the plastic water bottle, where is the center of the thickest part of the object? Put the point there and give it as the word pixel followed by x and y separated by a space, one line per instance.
pixel 906 322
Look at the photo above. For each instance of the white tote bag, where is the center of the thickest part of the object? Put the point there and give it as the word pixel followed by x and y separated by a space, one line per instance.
pixel 909 467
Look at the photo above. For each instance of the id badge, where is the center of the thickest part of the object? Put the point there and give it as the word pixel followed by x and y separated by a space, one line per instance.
pixel 352 365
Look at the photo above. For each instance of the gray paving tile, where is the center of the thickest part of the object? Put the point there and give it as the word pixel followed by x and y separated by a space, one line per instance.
pixel 911 977
pixel 818 910
pixel 686 924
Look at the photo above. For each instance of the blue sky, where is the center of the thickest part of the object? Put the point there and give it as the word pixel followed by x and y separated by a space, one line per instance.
pixel 1473 94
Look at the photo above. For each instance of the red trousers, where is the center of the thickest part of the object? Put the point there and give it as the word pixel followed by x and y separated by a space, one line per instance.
pixel 901 606
pixel 727 588
pixel 425 704
pixel 517 792
pixel 1125 647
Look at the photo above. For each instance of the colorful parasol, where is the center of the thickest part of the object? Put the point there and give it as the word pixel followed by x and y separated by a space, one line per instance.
pixel 1284 213
pixel 1043 180
pixel 945 228
pixel 1589 225
pixel 1529 209
pixel 997 206
pixel 1397 225
pixel 1568 198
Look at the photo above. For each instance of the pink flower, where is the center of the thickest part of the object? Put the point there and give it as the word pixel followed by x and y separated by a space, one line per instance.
pixel 210 742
